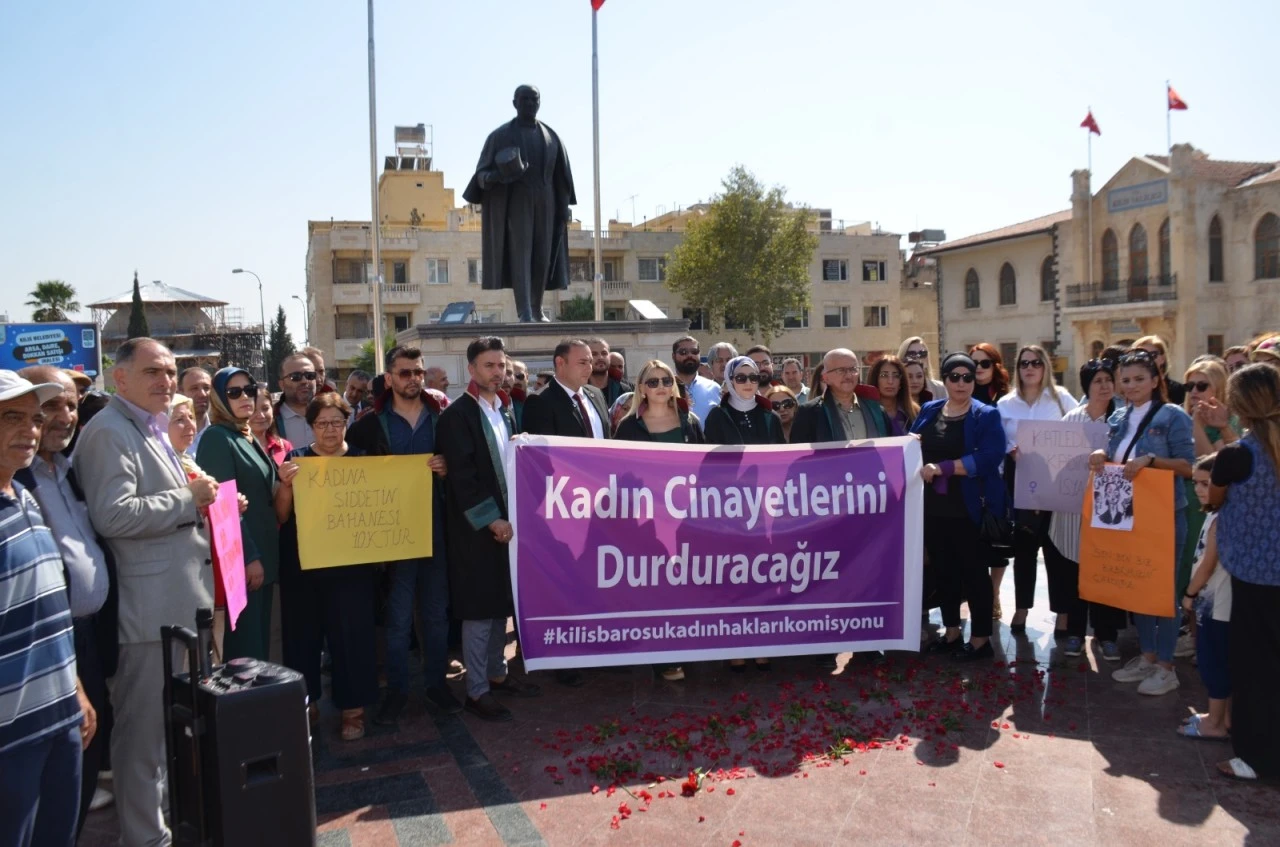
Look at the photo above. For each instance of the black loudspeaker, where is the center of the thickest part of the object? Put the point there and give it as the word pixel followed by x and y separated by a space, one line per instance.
pixel 239 748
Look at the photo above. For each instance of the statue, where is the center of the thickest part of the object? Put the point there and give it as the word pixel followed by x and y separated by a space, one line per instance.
pixel 525 188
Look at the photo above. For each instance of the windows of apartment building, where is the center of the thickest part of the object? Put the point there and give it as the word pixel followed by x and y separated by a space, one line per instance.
pixel 1009 353
pixel 835 270
pixel 1215 345
pixel 875 316
pixel 972 290
pixel 475 271
pixel 399 273
pixel 1110 262
pixel 1266 248
pixel 349 272
pixel 796 319
pixel 697 318
pixel 835 317
pixel 732 322
pixel 1166 255
pixel 1048 280
pixel 437 271
pixel 399 321
pixel 1138 253
pixel 1008 285
pixel 653 269
pixel 347 325
pixel 581 269
pixel 874 270
pixel 1216 264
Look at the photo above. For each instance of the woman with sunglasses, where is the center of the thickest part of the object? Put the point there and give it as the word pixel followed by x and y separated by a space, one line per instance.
pixel 917 382
pixel 992 379
pixel 1236 357
pixel 914 349
pixel 743 416
pixel 962 444
pixel 228 451
pixel 784 402
pixel 1036 398
pixel 1062 553
pixel 890 378
pixel 1150 432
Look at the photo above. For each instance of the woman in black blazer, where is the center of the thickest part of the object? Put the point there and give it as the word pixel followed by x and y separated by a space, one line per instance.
pixel 744 416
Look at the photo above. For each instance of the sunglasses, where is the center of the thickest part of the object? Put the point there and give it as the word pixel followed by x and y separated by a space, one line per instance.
pixel 1031 363
pixel 784 404
pixel 407 373
pixel 917 354
pixel 688 351
pixel 956 378
pixel 983 364
pixel 299 376
pixel 665 382
pixel 743 379
pixel 1198 386
pixel 239 391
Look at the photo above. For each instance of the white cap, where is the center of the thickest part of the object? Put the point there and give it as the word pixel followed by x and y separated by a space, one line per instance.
pixel 13 386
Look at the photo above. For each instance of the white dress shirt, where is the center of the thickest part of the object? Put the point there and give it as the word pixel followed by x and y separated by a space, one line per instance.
pixel 493 414
pixel 1046 408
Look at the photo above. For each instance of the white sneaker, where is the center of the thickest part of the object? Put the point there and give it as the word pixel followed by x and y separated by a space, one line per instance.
pixel 1162 681
pixel 1186 647
pixel 1136 670
pixel 101 799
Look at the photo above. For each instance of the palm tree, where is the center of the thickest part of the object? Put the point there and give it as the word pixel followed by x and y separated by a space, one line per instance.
pixel 53 299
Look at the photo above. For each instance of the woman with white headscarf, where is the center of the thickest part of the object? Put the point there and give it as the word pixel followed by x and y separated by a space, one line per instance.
pixel 744 416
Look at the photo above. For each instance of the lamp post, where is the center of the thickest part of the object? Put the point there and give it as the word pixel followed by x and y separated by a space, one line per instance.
pixel 262 316
pixel 306 324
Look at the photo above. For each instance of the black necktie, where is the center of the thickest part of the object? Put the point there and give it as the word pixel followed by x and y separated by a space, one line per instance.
pixel 587 429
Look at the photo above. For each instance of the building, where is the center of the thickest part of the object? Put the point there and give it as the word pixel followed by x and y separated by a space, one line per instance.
pixel 430 251
pixel 1183 246
pixel 200 330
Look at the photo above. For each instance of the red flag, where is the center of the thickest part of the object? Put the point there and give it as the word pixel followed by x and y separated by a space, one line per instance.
pixel 1175 102
pixel 596 4
pixel 1090 124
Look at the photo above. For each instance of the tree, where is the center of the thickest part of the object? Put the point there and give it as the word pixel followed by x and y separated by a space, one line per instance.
pixel 580 308
pixel 53 300
pixel 137 315
pixel 364 361
pixel 748 257
pixel 279 347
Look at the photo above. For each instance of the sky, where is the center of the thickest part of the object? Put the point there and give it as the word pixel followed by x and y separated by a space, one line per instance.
pixel 182 140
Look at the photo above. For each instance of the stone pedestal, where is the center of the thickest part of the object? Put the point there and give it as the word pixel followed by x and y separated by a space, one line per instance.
pixel 445 345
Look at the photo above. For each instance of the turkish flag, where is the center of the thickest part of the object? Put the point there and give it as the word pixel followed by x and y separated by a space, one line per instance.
pixel 1090 124
pixel 596 4
pixel 1175 102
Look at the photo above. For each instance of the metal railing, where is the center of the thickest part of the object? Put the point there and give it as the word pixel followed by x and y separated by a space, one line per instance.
pixel 1121 291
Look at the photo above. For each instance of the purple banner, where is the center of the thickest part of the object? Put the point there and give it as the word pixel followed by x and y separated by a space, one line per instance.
pixel 627 553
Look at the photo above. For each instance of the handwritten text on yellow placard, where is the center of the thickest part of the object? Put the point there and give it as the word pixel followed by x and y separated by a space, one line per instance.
pixel 1133 570
pixel 364 510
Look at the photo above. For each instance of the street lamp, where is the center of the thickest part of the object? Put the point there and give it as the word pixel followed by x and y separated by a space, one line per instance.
pixel 306 329
pixel 262 315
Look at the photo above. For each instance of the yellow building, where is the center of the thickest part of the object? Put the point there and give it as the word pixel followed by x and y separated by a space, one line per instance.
pixel 430 252
pixel 1183 246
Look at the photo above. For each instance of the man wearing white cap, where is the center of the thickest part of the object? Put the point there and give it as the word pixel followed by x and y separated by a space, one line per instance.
pixel 45 720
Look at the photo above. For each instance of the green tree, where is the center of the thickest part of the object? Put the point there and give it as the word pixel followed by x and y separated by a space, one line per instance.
pixel 747 257
pixel 137 315
pixel 580 308
pixel 53 300
pixel 279 347
pixel 364 361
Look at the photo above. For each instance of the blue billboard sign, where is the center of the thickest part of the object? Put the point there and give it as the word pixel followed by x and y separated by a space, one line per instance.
pixel 71 346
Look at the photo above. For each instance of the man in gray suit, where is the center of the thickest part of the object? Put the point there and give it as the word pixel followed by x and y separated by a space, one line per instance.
pixel 143 505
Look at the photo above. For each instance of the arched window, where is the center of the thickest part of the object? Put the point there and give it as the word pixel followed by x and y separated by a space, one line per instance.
pixel 1008 285
pixel 1048 279
pixel 1266 247
pixel 972 294
pixel 1216 265
pixel 1166 256
pixel 1137 254
pixel 1110 262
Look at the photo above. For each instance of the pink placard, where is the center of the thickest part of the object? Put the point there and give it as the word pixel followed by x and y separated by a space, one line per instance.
pixel 224 523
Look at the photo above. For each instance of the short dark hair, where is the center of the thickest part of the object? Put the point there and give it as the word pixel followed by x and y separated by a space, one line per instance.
pixel 326 400
pixel 1205 463
pixel 567 344
pixel 675 345
pixel 126 351
pixel 402 351
pixel 484 344
pixel 595 339
pixel 182 377
pixel 792 360
pixel 359 374
pixel 759 348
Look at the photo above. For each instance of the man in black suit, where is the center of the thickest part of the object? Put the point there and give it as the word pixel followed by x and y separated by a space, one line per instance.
pixel 570 407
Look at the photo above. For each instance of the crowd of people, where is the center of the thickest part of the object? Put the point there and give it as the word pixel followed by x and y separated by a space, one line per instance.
pixel 104 531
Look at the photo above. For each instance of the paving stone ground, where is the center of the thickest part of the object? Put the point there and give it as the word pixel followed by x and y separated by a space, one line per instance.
pixel 1038 748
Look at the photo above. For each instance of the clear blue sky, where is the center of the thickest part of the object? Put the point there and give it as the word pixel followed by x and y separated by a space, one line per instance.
pixel 185 139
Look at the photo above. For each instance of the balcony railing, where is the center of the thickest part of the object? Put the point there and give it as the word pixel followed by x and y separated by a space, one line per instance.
pixel 1121 291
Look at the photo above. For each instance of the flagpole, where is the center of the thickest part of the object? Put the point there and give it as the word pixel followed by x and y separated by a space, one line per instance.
pixel 375 228
pixel 1089 134
pixel 1168 120
pixel 595 140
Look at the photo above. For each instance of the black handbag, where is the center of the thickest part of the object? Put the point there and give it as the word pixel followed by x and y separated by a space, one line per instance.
pixel 996 531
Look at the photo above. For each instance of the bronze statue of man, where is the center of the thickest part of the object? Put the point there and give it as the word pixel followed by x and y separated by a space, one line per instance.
pixel 525 188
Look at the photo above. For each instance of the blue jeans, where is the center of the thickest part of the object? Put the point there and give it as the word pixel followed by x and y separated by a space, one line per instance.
pixel 427 582
pixel 40 792
pixel 1159 635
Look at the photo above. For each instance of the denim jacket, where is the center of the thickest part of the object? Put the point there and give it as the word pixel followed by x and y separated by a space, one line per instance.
pixel 1168 436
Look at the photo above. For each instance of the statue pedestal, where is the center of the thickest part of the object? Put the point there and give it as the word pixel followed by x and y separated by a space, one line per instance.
pixel 445 345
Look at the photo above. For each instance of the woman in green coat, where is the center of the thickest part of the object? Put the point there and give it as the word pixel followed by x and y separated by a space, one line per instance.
pixel 228 451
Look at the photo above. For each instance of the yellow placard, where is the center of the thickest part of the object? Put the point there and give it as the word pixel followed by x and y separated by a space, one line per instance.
pixel 1132 570
pixel 360 511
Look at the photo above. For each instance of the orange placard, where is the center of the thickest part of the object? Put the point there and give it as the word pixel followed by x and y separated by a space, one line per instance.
pixel 1132 570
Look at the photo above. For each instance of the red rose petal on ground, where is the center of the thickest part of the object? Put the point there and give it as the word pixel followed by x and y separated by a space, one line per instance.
pixel 998 764
pixel 595 789
pixel 730 792
pixel 542 806
pixel 701 818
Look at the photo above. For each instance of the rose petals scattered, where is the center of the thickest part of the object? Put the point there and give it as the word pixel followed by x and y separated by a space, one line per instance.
pixel 542 807
pixel 730 792
pixel 998 764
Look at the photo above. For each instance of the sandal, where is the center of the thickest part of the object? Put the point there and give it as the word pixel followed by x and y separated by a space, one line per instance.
pixel 1193 729
pixel 1237 768
pixel 352 724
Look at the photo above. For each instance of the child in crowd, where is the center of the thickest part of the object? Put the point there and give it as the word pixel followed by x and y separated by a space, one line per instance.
pixel 1209 596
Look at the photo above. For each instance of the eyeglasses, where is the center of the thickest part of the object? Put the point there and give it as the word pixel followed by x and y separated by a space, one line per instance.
pixel 411 373
pixel 955 378
pixel 845 371
pixel 743 379
pixel 299 376
pixel 249 391
pixel 984 364
pixel 664 381
pixel 784 404
pixel 328 424
pixel 687 351
pixel 1198 386
pixel 1031 363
